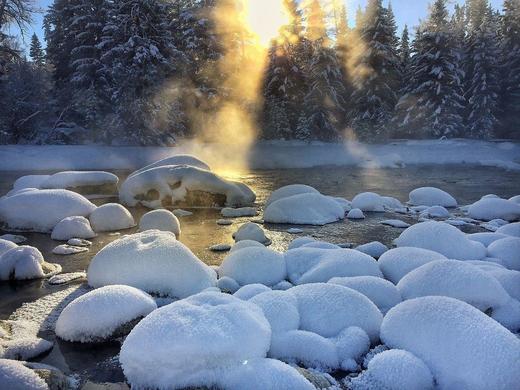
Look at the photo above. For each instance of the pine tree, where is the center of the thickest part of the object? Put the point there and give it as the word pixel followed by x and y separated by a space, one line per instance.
pixel 432 105
pixel 36 51
pixel 343 53
pixel 404 50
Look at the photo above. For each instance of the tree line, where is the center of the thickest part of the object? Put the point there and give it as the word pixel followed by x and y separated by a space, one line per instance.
pixel 146 72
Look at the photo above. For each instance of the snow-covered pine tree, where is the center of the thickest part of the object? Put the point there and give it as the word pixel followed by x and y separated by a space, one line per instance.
pixel 432 104
pixel 36 52
pixel 375 86
pixel 404 50
pixel 343 52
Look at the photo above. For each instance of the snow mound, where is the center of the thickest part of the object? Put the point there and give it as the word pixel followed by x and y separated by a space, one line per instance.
pixel 312 265
pixel 40 211
pixel 72 227
pixel 250 290
pixel 435 212
pixel 160 220
pixel 171 185
pixel 75 179
pixel 15 376
pixel 374 249
pixel 507 250
pixel 189 342
pixel 66 249
pixel 431 196
pixel 24 348
pixel 463 347
pixel 254 265
pixel 398 262
pixel 355 214
pixel 152 261
pixel 228 212
pixel 290 190
pixel 511 229
pixel 442 238
pixel 17 239
pixel 252 232
pixel 304 209
pixel 384 294
pixel 392 203
pixel 6 245
pixel 110 217
pixel 29 181
pixel 300 241
pixel 180 159
pixel 25 262
pixel 246 244
pixel 510 280
pixel 493 208
pixel 394 369
pixel 226 284
pixel 486 238
pixel 368 201
pixel 515 199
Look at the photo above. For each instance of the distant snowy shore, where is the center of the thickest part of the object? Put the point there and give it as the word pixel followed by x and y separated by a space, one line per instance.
pixel 267 155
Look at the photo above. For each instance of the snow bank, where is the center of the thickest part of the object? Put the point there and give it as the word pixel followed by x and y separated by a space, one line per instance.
pixel 368 201
pixel 463 347
pixel 507 250
pixel 431 196
pixel 511 229
pixel 72 227
pixel 290 190
pixel 40 211
pixel 110 217
pixel 25 262
pixel 442 238
pixel 15 376
pixel 252 232
pixel 493 208
pixel 254 265
pixel 152 261
pixel 76 179
pixel 374 249
pixel 98 314
pixel 182 185
pixel 311 265
pixel 160 220
pixel 397 262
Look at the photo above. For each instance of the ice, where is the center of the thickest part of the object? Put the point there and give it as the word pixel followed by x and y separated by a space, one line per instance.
pixel 442 238
pixel 25 262
pixel 96 315
pixel 110 217
pixel 250 231
pixel 355 214
pixel 5 245
pixel 394 369
pixel 152 261
pixel 463 347
pixel 246 244
pixel 72 227
pixel 15 376
pixel 304 209
pixel 254 265
pixel 191 342
pixel 180 159
pixel 397 223
pixel 311 265
pixel 290 190
pixel 368 201
pixel 489 209
pixel 40 211
pixel 374 249
pixel 66 249
pixel 250 290
pixel 431 196
pixel 383 293
pixel 73 179
pixel 160 220
pixel 511 229
pixel 228 212
pixel 397 262
pixel 13 238
pixel 507 250
pixel 486 238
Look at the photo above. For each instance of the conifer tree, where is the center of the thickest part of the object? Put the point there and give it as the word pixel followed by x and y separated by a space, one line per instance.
pixel 36 51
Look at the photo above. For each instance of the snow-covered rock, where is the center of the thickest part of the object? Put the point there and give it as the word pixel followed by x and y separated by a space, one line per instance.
pixel 515 199
pixel 355 214
pixel 15 376
pixel 463 347
pixel 511 229
pixel 40 211
pixel 312 265
pixel 507 250
pixel 153 261
pixel 397 223
pixel 178 185
pixel 250 290
pixel 180 159
pixel 431 196
pixel 220 248
pixel 442 238
pixel 254 265
pixel 66 249
pixel 25 262
pixel 24 348
pixel 435 212
pixel 29 181
pixel 486 238
pixel 5 245
pixel 229 212
pixel 224 222
pixel 290 190
pixel 368 201
pixel 17 239
pixel 72 227
pixel 374 249
pixel 246 244
pixel 110 217
pixel 250 231
pixel 300 241
pixel 392 203
pixel 398 262
pixel 493 208
pixel 160 220
pixel 181 213
pixel 320 245
pixel 510 280
pixel 102 313
pixel 90 182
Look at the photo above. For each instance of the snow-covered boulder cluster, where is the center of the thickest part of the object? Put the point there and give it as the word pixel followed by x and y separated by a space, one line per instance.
pixel 23 263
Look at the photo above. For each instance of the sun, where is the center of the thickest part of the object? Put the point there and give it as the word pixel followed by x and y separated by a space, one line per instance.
pixel 264 18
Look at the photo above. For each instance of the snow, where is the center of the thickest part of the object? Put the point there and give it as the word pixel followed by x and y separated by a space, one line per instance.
pixel 29 181
pixel 394 369
pixel 95 316
pixel 250 290
pixel 486 238
pixel 510 280
pixel 226 284
pixel 25 262
pixel 431 196
pixel 181 213
pixel 463 347
pixel 250 231
pixel 355 214
pixel 280 308
pixel 294 231
pixel 72 227
pixel 290 190
pixel 304 209
pixel 515 199
pixel 507 250
pixel 511 229
pixel 383 293
pixel 152 261
pixel 15 376
pixel 228 212
pixel 368 201
pixel 13 238
pixel 254 265
pixel 435 212
pixel 397 223
pixel 246 244
pixel 160 220
pixel 24 348
pixel 69 250
pixel 442 238
pixel 189 343
pixel 40 211
pixel 172 185
pixel 181 159
pixel 392 203
pixel 110 217
pixel 66 278
pixel 5 245
pixel 489 209
pixel 79 242
pixel 320 245
pixel 374 249
pixel 72 179
pixel 311 265
pixel 397 262
pixel 300 241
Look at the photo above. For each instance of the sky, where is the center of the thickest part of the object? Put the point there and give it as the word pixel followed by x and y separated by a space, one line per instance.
pixel 406 12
